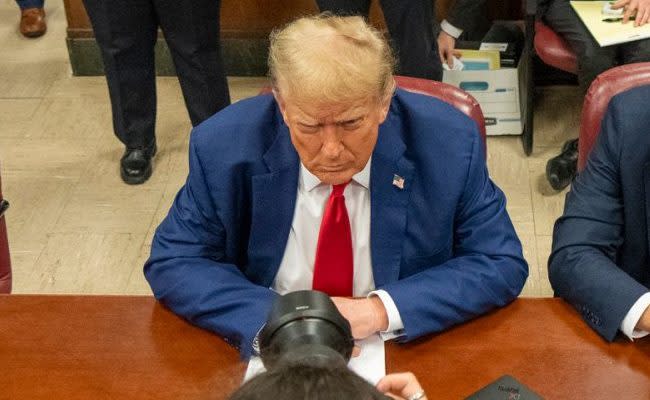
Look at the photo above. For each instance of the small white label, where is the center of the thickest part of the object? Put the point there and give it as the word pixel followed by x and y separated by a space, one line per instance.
pixel 493 46
pixel 458 65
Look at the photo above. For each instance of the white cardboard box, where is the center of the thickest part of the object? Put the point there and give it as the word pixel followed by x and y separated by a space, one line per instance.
pixel 497 91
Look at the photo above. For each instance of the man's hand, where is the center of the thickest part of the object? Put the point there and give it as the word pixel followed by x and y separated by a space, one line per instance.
pixel 367 316
pixel 446 48
pixel 644 322
pixel 400 386
pixel 640 8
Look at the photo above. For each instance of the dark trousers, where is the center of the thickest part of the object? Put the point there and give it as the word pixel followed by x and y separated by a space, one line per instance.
pixel 410 24
pixel 23 4
pixel 592 59
pixel 126 31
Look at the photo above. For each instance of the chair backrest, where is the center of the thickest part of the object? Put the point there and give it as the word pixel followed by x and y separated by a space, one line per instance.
pixel 603 88
pixel 5 262
pixel 447 93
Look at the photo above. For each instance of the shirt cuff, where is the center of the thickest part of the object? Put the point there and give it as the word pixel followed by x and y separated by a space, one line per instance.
pixel 633 316
pixel 395 324
pixel 450 29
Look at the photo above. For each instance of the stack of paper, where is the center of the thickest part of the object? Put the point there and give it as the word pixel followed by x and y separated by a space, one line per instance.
pixel 478 60
pixel 606 28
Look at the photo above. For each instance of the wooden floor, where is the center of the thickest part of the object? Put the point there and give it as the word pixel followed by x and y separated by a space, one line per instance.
pixel 74 227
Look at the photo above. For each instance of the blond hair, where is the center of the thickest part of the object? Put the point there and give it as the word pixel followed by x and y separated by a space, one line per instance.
pixel 327 58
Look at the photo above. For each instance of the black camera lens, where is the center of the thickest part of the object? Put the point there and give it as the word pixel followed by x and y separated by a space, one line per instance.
pixel 305 325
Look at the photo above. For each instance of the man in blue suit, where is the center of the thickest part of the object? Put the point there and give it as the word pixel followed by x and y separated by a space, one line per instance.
pixel 599 261
pixel 336 182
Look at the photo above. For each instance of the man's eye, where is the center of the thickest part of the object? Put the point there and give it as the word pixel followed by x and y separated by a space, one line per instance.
pixel 309 128
pixel 353 123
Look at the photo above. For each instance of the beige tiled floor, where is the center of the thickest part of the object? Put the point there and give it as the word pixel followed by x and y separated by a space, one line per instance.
pixel 76 228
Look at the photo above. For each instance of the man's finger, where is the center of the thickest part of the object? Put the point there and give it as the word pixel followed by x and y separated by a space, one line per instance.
pixel 441 54
pixel 626 15
pixel 392 383
pixel 646 17
pixel 620 4
pixel 637 17
pixel 450 59
pixel 401 384
pixel 641 17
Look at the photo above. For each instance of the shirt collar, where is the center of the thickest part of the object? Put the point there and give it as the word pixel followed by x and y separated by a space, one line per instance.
pixel 309 181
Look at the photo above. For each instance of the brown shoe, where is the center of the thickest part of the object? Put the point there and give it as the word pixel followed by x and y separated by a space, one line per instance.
pixel 32 22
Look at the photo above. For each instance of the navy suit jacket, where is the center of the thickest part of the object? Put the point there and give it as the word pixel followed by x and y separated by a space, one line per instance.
pixel 443 246
pixel 464 14
pixel 599 261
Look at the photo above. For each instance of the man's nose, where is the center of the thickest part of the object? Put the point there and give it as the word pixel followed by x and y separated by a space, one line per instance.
pixel 332 141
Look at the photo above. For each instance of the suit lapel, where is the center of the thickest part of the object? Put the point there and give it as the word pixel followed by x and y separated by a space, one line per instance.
pixel 274 199
pixel 388 203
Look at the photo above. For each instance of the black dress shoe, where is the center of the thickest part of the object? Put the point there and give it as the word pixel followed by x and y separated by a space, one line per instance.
pixel 135 166
pixel 561 169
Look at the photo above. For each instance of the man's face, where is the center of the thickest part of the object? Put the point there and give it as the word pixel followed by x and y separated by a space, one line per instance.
pixel 334 140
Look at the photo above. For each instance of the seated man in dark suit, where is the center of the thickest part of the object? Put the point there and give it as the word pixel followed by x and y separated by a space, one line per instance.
pixel 599 262
pixel 337 182
pixel 592 61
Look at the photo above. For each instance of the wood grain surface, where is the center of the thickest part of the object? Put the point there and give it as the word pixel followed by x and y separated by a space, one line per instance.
pixel 130 347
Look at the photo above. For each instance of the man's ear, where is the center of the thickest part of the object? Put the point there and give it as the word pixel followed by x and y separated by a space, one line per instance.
pixel 384 107
pixel 282 104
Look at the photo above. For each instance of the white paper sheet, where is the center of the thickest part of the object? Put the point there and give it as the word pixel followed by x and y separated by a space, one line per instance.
pixel 370 364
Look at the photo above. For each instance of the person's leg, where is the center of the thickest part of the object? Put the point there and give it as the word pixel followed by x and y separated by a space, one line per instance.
pixel 410 23
pixel 24 4
pixel 634 52
pixel 592 59
pixel 126 32
pixel 191 29
pixel 32 18
pixel 345 7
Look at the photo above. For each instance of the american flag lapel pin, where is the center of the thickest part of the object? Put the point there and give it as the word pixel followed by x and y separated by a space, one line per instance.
pixel 398 181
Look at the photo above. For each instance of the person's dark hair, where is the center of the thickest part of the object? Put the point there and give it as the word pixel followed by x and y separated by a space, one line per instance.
pixel 293 381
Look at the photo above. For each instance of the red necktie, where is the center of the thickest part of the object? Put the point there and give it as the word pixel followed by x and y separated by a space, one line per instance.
pixel 333 266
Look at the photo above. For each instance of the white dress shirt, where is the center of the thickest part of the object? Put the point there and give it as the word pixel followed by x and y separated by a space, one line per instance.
pixel 296 270
pixel 633 316
pixel 450 29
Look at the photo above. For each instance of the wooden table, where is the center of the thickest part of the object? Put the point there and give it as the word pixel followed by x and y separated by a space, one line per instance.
pixel 123 347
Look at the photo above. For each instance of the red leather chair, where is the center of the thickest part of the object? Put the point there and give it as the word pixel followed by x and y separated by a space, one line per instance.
pixel 5 263
pixel 553 50
pixel 447 93
pixel 603 88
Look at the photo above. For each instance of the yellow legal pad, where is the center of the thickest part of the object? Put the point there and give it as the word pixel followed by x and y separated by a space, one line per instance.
pixel 480 59
pixel 608 33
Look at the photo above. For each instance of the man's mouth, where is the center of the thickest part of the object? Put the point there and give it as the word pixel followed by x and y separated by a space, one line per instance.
pixel 336 168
